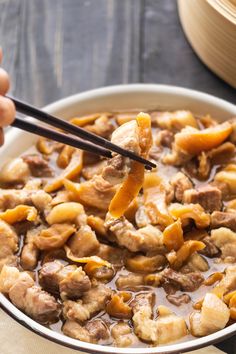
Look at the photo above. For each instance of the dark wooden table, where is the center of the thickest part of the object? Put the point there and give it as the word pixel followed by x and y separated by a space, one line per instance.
pixel 55 48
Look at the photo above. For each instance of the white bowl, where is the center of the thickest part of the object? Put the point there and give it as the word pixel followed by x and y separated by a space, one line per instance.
pixel 124 97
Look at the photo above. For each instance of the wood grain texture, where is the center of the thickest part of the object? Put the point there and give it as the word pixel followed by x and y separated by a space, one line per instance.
pixel 64 47
pixel 55 48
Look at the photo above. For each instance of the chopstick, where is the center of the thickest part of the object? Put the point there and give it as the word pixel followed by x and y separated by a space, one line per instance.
pixel 32 111
pixel 60 137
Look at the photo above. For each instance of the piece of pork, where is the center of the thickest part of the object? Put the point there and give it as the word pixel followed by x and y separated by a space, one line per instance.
pixel 93 332
pixel 144 326
pixel 122 334
pixel 164 138
pixel 178 300
pixel 102 127
pixel 70 281
pixel 10 198
pixel 127 137
pixel 180 183
pixel 225 239
pixel 30 252
pixel 84 242
pixel 167 328
pixel 91 303
pixel 39 167
pixel 116 170
pixel 173 281
pixel 210 250
pixel 214 316
pixel 114 255
pixel 195 262
pixel 98 331
pixel 148 238
pixel 91 170
pixel 223 219
pixel 27 296
pixel 209 197
pixel 74 330
pixel 176 121
pixel 8 244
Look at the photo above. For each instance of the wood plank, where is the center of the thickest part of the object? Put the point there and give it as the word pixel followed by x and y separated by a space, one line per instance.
pixel 64 47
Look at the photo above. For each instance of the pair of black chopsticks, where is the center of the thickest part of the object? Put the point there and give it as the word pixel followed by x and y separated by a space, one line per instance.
pixel 98 145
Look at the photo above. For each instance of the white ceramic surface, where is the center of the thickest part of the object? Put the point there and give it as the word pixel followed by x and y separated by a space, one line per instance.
pixel 125 97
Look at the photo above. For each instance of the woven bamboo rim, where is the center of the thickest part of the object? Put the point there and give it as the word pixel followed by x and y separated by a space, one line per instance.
pixel 210 27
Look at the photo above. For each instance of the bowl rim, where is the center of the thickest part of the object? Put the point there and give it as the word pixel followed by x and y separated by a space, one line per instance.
pixel 66 341
pixel 137 88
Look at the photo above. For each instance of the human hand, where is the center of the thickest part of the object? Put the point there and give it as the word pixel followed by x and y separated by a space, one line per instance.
pixel 7 108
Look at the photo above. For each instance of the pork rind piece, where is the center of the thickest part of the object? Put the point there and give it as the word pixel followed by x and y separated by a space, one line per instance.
pixel 72 171
pixel 155 194
pixel 228 176
pixel 65 156
pixel 178 258
pixel 173 236
pixel 190 211
pixel 19 213
pixel 145 264
pixel 65 213
pixel 118 308
pixel 227 283
pixel 191 142
pixel 225 240
pixel 176 121
pixel 195 141
pixel 214 316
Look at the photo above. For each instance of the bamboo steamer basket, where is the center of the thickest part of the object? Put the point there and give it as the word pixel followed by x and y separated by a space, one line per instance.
pixel 210 27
